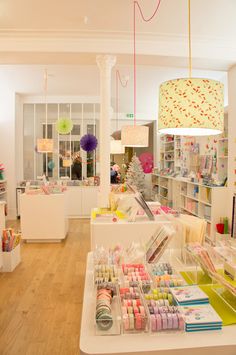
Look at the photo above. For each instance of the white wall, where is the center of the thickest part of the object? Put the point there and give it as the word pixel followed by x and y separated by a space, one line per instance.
pixel 232 135
pixel 72 80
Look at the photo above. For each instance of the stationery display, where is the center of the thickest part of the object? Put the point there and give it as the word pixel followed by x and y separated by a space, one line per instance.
pixel 105 273
pixel 158 243
pixel 134 314
pixel 200 317
pixel 203 258
pixel 160 296
pixel 136 274
pixel 168 280
pixel 162 269
pixel 10 239
pixel 165 318
pixel 189 295
pixel 113 256
pixel 104 319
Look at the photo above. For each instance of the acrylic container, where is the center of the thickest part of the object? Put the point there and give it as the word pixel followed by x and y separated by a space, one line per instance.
pixel 134 313
pixel 108 324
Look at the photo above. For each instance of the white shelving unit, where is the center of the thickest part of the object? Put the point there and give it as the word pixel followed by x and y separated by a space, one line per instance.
pixel 3 190
pixel 209 203
pixel 161 188
pixel 222 157
pixel 170 152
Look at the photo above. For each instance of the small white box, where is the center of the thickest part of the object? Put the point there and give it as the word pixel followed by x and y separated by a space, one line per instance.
pixel 11 259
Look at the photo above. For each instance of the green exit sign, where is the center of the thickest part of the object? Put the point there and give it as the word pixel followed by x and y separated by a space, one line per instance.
pixel 130 115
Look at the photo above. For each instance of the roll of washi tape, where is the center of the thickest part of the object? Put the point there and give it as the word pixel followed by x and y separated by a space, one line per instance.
pixel 138 321
pixel 175 321
pixel 153 323
pixel 164 321
pixel 181 321
pixel 131 321
pixel 158 322
pixel 169 321
pixel 126 321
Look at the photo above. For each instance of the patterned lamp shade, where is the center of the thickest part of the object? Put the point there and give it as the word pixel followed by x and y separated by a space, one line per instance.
pixel 134 136
pixel 191 107
pixel 44 145
pixel 117 147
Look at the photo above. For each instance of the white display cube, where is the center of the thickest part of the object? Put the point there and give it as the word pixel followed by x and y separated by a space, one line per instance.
pixel 11 259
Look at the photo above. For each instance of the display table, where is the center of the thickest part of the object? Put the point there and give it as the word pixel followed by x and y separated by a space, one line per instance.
pixel 43 217
pixel 81 199
pixel 201 343
pixel 108 233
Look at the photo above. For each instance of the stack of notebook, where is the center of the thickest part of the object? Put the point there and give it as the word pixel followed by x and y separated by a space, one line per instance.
pixel 189 295
pixel 200 317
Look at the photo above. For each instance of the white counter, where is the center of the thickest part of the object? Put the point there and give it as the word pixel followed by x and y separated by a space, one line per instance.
pixel 202 343
pixel 43 217
pixel 81 199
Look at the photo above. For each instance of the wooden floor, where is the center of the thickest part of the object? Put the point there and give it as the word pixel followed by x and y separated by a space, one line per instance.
pixel 41 301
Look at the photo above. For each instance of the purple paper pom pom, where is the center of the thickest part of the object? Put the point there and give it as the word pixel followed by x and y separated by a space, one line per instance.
pixel 88 142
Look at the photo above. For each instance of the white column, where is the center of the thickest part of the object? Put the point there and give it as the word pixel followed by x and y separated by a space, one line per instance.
pixel 231 136
pixel 105 64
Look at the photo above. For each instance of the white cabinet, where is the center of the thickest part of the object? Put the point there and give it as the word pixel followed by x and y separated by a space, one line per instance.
pixel 43 217
pixel 80 200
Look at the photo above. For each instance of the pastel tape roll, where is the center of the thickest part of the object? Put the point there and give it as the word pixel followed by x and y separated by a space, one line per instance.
pixel 158 322
pixel 175 321
pixel 126 321
pixel 138 321
pixel 153 323
pixel 164 321
pixel 169 321
pixel 105 321
pixel 131 321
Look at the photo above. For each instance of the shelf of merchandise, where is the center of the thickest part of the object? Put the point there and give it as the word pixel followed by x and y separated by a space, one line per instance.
pixel 3 190
pixel 222 152
pixel 206 202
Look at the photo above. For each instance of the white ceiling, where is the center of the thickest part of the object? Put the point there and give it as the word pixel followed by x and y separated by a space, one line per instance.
pixel 73 32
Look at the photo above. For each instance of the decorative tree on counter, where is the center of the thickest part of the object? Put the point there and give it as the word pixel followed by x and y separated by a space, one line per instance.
pixel 135 175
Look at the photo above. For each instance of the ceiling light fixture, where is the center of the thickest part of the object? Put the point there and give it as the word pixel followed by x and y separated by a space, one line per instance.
pixel 45 145
pixel 136 136
pixel 191 106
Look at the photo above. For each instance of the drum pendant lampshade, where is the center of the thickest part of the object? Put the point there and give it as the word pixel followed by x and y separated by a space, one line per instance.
pixel 116 147
pixel 134 136
pixel 191 107
pixel 44 145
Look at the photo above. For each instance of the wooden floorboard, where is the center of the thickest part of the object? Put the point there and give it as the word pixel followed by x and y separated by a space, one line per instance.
pixel 41 301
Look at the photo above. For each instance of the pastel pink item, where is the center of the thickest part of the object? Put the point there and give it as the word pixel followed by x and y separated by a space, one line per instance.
pixel 126 321
pixel 164 321
pixel 138 321
pixel 146 160
pixel 158 322
pixel 153 323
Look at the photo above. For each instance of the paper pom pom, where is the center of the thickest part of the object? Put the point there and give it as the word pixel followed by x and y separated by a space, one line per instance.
pixel 88 142
pixel 146 160
pixel 64 125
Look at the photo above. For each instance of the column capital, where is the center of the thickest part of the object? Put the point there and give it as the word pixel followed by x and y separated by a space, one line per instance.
pixel 105 61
